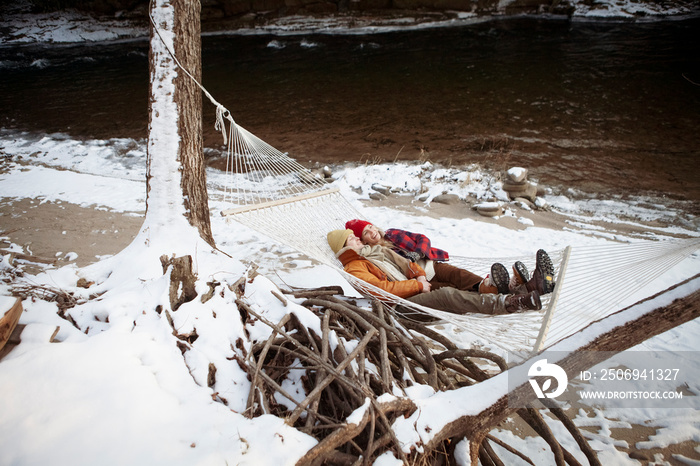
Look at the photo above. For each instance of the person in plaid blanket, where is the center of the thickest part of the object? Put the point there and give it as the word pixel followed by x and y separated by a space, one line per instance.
pixel 380 266
pixel 417 248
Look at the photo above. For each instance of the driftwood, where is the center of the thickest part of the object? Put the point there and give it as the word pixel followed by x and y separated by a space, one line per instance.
pixel 11 329
pixel 616 340
pixel 385 357
pixel 386 354
pixel 8 321
pixel 182 279
pixel 30 258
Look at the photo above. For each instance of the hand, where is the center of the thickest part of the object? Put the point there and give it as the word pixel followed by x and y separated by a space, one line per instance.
pixel 425 283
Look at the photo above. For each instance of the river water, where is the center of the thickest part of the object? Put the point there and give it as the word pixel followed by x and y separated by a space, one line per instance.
pixel 602 107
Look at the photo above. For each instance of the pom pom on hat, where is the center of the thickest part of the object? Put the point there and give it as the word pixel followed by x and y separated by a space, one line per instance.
pixel 337 239
pixel 357 226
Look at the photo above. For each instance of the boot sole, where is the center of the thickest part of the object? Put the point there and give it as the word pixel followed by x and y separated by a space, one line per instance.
pixel 546 268
pixel 521 272
pixel 500 278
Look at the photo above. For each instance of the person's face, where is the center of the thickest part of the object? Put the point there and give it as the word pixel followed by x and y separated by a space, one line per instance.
pixel 370 235
pixel 353 242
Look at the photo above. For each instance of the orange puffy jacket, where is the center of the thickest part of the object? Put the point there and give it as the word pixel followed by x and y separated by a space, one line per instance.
pixel 363 269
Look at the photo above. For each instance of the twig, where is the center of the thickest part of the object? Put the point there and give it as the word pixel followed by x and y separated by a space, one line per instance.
pixel 385 368
pixel 263 354
pixel 324 356
pixel 533 417
pixel 492 456
pixel 280 297
pixel 432 334
pixel 574 431
pixel 507 447
pixel 317 391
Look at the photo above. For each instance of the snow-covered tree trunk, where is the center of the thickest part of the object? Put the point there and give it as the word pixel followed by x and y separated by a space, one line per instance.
pixel 175 178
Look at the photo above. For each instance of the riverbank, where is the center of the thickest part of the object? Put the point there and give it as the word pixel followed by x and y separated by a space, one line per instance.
pixel 590 110
pixel 61 233
pixel 24 22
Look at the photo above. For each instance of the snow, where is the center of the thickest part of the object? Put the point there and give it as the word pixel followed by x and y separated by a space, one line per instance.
pixel 517 173
pixel 117 391
pixel 66 27
pixel 63 27
pixel 122 389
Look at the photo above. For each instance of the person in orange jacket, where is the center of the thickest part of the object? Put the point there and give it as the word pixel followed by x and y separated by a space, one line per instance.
pixel 387 270
pixel 417 247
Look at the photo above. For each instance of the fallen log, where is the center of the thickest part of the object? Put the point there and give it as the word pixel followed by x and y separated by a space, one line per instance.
pixel 9 318
pixel 610 341
pixel 384 357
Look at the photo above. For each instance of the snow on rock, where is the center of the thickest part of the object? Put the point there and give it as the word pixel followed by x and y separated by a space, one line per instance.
pixel 517 174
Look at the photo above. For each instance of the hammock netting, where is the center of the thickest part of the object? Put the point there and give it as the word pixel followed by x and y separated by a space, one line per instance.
pixel 273 194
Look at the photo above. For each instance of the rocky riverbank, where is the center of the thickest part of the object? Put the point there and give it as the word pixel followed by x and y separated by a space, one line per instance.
pixel 305 15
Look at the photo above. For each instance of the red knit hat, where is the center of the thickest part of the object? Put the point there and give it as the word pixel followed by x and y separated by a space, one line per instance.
pixel 357 226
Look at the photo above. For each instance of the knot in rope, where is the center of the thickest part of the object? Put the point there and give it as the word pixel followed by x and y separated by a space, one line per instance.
pixel 220 125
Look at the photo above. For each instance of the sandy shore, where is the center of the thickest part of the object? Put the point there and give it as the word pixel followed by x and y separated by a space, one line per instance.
pixel 61 233
pixel 52 231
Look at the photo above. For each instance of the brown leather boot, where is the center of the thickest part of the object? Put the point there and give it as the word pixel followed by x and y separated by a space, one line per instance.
pixel 498 282
pixel 500 278
pixel 487 287
pixel 542 280
pixel 523 302
pixel 520 274
pixel 519 279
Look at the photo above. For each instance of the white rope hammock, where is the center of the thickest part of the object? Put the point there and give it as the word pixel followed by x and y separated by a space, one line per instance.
pixel 278 197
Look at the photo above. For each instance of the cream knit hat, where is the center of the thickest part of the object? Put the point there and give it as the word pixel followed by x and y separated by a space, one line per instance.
pixel 337 239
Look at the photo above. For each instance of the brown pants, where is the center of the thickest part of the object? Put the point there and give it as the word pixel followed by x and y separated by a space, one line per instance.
pixel 449 275
pixel 461 302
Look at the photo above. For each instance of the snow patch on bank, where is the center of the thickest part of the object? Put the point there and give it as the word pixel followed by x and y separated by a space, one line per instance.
pixel 22 27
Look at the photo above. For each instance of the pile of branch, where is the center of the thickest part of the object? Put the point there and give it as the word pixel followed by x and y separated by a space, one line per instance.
pixel 379 353
pixel 64 299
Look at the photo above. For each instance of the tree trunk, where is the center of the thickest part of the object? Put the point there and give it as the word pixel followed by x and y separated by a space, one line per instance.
pixel 188 97
pixel 179 21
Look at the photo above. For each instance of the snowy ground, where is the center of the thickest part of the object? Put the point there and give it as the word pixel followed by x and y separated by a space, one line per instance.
pixel 119 392
pixel 93 395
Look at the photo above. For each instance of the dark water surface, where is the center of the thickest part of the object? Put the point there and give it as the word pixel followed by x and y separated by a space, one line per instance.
pixel 600 106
